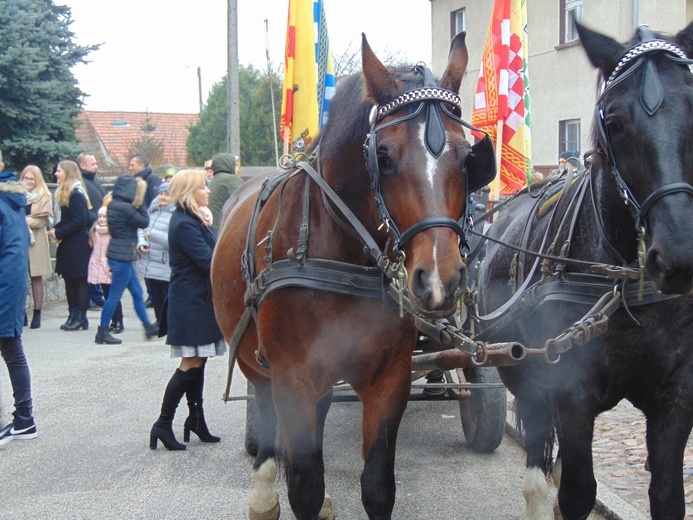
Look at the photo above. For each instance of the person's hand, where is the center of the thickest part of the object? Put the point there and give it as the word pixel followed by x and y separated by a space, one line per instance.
pixel 147 234
pixel 144 249
pixel 51 232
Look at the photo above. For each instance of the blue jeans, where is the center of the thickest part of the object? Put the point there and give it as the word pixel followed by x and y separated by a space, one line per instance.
pixel 20 377
pixel 124 277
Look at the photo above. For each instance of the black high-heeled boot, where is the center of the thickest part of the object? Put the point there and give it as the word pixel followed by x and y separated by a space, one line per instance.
pixel 36 319
pixel 70 318
pixel 162 430
pixel 196 417
pixel 79 321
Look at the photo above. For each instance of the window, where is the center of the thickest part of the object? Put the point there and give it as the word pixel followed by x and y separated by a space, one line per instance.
pixel 120 123
pixel 571 12
pixel 458 22
pixel 569 135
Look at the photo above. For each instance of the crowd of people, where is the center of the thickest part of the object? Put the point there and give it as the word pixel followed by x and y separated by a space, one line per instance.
pixel 162 231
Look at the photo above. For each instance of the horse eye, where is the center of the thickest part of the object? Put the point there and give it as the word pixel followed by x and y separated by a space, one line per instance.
pixel 385 163
pixel 615 125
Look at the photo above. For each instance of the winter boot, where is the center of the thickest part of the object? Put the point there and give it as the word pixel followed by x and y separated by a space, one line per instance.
pixel 79 321
pixel 103 336
pixel 116 327
pixel 196 417
pixel 36 320
pixel 163 427
pixel 151 330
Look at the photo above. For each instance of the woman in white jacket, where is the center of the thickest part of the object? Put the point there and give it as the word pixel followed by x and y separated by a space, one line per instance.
pixel 153 247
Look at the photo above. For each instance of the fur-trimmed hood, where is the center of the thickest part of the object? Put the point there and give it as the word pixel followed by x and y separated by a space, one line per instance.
pixel 15 190
pixel 130 189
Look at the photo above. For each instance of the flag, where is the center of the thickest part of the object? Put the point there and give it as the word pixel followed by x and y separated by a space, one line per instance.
pixel 502 93
pixel 308 75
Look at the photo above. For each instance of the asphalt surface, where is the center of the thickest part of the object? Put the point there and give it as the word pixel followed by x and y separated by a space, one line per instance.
pixel 94 406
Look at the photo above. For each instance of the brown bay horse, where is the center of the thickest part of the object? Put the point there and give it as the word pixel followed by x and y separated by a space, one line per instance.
pixel 306 324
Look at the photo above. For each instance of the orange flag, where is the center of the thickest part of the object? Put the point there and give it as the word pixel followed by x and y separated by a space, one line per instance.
pixel 501 103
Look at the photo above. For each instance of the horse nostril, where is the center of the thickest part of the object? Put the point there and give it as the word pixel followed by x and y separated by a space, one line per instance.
pixel 419 281
pixel 654 264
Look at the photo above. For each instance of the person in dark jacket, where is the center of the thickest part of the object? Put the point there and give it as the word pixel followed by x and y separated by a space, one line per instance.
pixel 126 214
pixel 88 167
pixel 222 185
pixel 14 266
pixel 139 167
pixel 191 324
pixel 72 233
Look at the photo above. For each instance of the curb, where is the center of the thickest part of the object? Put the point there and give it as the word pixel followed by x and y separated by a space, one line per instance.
pixel 608 504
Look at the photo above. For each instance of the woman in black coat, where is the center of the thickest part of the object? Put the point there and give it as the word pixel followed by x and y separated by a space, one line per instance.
pixel 72 233
pixel 192 327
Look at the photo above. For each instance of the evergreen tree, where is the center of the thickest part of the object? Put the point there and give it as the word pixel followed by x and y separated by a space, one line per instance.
pixel 39 97
pixel 257 133
pixel 148 144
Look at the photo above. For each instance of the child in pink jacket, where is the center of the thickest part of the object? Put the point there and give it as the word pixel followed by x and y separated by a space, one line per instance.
pixel 99 272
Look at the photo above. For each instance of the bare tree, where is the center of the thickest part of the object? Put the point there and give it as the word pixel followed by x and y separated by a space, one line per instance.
pixel 349 61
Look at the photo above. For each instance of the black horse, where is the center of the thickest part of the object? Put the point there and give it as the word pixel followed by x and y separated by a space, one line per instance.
pixel 634 208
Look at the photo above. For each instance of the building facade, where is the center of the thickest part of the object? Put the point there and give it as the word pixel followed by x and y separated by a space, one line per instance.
pixel 562 82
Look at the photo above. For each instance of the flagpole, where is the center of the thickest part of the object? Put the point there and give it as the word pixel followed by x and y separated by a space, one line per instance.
pixel 495 196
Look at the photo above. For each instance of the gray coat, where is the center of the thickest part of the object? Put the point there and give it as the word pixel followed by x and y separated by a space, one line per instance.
pixel 154 264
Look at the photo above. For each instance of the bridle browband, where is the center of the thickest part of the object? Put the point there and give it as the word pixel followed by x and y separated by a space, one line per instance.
pixel 431 97
pixel 651 98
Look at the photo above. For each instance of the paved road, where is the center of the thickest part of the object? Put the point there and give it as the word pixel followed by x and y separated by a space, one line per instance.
pixel 94 406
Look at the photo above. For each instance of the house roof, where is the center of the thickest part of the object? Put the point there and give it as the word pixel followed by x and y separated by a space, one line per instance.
pixel 110 135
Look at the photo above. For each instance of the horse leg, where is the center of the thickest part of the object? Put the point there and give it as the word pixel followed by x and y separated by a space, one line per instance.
pixel 577 490
pixel 538 434
pixel 383 407
pixel 264 501
pixel 302 419
pixel 666 441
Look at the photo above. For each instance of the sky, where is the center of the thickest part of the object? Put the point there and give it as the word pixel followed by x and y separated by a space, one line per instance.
pixel 151 49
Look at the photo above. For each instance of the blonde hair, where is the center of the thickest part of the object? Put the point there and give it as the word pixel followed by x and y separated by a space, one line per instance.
pixel 72 174
pixel 41 186
pixel 182 190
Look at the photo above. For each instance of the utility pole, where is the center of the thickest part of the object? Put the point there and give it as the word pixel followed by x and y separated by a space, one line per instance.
pixel 199 87
pixel 233 127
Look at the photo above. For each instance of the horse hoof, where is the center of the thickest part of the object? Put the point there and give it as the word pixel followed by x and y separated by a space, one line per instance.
pixel 272 514
pixel 326 512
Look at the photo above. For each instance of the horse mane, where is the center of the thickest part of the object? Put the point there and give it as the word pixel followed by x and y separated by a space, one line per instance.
pixel 349 110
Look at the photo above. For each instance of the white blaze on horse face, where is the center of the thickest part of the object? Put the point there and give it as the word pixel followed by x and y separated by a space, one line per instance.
pixel 431 161
pixel 436 284
pixel 437 287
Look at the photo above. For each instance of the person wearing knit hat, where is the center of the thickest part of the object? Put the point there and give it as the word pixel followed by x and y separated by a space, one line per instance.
pixel 222 185
pixel 163 187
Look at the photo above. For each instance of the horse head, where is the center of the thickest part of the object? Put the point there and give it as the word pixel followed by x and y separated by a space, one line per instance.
pixel 644 133
pixel 422 169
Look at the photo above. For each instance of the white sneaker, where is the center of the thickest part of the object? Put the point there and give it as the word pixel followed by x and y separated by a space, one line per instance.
pixel 10 433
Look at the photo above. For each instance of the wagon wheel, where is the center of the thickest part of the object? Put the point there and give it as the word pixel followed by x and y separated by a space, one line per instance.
pixel 252 418
pixel 483 412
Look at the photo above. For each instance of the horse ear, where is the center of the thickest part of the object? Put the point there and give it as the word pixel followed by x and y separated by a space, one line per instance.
pixel 602 51
pixel 380 85
pixel 457 63
pixel 684 39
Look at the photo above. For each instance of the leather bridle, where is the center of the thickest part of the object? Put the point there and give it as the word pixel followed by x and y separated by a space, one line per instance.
pixel 434 99
pixel 651 98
